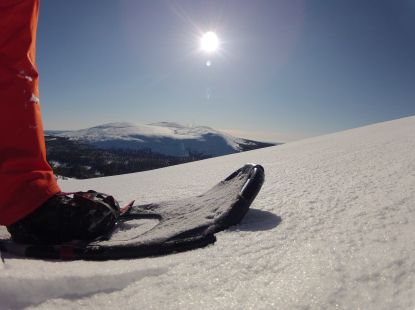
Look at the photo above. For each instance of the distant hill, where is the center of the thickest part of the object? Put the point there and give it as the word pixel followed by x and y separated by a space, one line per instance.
pixel 163 138
pixel 119 148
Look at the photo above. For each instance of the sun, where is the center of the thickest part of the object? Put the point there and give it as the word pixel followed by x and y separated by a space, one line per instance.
pixel 209 42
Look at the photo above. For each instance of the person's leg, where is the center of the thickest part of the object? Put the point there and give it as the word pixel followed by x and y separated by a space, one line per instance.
pixel 31 205
pixel 26 179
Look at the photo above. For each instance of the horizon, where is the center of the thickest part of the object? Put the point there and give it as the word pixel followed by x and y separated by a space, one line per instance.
pixel 278 70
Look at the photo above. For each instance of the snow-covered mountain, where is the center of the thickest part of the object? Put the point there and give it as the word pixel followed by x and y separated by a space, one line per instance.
pixel 164 138
pixel 332 228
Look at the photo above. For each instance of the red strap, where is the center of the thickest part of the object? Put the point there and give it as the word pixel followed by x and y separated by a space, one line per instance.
pixel 126 208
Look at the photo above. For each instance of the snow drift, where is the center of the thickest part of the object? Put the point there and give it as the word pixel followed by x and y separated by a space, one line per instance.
pixel 333 227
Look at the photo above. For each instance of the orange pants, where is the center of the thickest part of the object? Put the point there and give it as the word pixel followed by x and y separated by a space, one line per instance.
pixel 26 179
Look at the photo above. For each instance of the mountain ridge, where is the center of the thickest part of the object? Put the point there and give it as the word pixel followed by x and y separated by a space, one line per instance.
pixel 167 138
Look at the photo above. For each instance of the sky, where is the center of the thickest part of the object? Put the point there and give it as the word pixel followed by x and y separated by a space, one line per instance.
pixel 284 70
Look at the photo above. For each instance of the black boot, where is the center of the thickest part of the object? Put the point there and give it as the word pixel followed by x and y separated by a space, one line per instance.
pixel 64 217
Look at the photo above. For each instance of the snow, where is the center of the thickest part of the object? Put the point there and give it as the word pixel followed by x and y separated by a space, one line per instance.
pixel 165 138
pixel 34 99
pixel 22 74
pixel 56 163
pixel 333 227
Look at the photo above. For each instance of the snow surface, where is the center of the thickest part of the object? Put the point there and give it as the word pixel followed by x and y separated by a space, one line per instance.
pixel 165 138
pixel 332 228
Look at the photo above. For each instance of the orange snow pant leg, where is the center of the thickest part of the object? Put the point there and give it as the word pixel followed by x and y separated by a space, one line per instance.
pixel 26 179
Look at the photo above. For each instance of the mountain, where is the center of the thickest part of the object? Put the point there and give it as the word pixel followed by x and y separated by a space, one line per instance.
pixel 332 228
pixel 163 138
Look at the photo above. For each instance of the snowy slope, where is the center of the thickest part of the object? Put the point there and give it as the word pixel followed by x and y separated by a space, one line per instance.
pixel 333 227
pixel 164 138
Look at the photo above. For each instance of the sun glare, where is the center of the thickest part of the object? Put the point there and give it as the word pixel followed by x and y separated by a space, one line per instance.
pixel 209 42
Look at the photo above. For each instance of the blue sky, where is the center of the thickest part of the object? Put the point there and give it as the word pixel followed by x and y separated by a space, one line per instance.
pixel 285 69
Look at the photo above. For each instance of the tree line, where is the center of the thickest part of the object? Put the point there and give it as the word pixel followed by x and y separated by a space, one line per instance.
pixel 77 159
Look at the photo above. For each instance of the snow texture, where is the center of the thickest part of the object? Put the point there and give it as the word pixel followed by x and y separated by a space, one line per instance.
pixel 332 228
pixel 164 138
